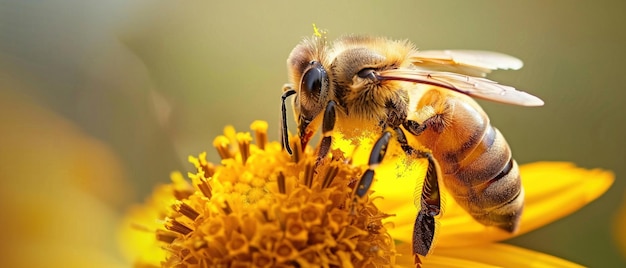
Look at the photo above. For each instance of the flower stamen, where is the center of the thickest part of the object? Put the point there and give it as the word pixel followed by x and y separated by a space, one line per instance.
pixel 243 140
pixel 205 187
pixel 165 236
pixel 226 208
pixel 221 143
pixel 281 183
pixel 308 173
pixel 298 151
pixel 330 175
pixel 176 226
pixel 260 131
pixel 202 164
pixel 186 210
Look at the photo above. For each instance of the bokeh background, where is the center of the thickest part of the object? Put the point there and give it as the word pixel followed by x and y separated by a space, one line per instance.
pixel 154 81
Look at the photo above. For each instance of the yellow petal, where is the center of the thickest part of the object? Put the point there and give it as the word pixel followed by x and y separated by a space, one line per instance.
pixel 136 235
pixel 503 255
pixel 405 259
pixel 553 190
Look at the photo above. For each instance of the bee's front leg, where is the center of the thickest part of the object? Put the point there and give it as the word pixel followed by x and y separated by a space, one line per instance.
pixel 287 91
pixel 328 124
pixel 376 157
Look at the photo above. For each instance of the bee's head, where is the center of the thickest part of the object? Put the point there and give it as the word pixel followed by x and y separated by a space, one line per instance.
pixel 311 82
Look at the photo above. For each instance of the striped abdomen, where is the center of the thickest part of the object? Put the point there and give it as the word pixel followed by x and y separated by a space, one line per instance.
pixel 475 159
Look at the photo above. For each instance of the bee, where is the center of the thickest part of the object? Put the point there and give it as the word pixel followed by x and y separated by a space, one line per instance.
pixel 391 87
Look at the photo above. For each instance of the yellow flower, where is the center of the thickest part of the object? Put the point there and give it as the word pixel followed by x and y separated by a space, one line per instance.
pixel 262 207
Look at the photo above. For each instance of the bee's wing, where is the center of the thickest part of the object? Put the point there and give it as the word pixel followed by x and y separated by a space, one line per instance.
pixel 473 86
pixel 469 62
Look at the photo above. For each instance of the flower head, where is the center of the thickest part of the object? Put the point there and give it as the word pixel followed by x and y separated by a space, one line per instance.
pixel 263 207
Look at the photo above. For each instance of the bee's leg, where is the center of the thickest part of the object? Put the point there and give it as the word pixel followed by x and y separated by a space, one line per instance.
pixel 430 206
pixel 287 91
pixel 414 127
pixel 432 116
pixel 376 156
pixel 430 199
pixel 328 124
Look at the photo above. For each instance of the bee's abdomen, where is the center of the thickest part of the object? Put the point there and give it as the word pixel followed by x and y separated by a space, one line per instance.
pixel 487 183
pixel 478 169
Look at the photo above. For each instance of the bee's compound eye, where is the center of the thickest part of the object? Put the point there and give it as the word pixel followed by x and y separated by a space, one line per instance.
pixel 313 78
pixel 366 73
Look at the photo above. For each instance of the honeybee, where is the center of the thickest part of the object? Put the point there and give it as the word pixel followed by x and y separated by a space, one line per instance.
pixel 392 87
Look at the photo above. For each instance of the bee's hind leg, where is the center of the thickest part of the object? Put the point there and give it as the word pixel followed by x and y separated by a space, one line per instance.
pixel 430 199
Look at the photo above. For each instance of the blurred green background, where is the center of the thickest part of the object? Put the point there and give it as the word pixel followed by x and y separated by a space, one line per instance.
pixel 158 80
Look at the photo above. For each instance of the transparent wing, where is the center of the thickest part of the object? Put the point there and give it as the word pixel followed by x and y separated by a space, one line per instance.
pixel 473 86
pixel 469 62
